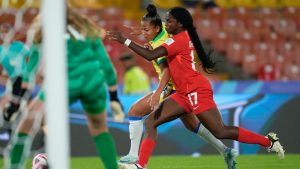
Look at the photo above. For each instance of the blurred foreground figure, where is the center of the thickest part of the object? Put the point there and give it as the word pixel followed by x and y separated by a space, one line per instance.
pixel 89 70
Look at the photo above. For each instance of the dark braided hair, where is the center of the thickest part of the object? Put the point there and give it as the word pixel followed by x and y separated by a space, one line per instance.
pixel 152 16
pixel 185 18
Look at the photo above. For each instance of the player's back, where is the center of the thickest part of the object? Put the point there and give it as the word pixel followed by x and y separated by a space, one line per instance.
pixel 81 57
pixel 181 60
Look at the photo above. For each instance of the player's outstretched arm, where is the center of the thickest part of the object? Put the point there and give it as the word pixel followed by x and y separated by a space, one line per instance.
pixel 145 53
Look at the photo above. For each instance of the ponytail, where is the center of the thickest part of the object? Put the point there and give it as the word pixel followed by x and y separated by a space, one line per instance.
pixel 152 16
pixel 185 18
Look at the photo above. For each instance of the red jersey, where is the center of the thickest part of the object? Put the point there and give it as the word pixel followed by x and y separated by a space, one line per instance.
pixel 182 66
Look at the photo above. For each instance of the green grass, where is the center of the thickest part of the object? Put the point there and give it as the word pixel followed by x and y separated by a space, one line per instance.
pixel 203 162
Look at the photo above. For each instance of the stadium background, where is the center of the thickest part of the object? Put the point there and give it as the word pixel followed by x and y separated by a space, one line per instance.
pixel 257 44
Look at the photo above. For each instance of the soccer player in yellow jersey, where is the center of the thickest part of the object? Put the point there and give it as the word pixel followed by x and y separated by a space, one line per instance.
pixel 155 33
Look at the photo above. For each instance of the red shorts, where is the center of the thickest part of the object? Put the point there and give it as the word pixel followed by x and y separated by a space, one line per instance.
pixel 197 101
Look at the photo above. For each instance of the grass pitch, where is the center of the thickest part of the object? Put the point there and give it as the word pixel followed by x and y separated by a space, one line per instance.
pixel 292 161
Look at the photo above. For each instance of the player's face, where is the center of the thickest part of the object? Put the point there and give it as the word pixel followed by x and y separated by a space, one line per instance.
pixel 149 30
pixel 171 24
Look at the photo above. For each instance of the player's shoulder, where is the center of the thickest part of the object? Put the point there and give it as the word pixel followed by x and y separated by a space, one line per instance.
pixel 181 37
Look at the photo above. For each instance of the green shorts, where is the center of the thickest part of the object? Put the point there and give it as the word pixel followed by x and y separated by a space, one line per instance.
pixel 89 89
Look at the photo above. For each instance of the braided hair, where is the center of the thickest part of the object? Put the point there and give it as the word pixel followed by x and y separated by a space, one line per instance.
pixel 185 18
pixel 152 16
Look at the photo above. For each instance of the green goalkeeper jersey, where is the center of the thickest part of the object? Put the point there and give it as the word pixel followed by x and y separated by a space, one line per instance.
pixel 87 56
pixel 89 68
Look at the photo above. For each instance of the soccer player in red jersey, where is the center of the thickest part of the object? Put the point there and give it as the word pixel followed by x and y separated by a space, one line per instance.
pixel 194 93
pixel 154 32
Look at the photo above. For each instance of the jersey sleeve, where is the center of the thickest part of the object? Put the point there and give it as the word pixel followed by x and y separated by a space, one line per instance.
pixel 173 46
pixel 106 64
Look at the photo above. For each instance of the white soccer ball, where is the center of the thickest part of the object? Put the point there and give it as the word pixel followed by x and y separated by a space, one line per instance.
pixel 40 161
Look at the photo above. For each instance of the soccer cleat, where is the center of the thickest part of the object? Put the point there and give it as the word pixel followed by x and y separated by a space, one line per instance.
pixel 118 113
pixel 129 166
pixel 129 159
pixel 275 145
pixel 229 157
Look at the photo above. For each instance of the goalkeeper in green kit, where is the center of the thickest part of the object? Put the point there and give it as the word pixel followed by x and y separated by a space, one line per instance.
pixel 89 69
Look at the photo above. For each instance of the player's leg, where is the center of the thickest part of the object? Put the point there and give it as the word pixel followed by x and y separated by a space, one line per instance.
pixel 103 139
pixel 136 113
pixel 212 120
pixel 27 128
pixel 93 100
pixel 167 111
pixel 192 123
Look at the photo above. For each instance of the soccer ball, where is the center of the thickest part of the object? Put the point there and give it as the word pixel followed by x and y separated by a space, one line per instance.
pixel 40 162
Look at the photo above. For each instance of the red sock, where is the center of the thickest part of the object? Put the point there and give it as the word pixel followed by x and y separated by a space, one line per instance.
pixel 246 136
pixel 147 147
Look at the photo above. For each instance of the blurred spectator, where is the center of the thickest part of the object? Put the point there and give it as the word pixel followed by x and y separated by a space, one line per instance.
pixel 136 80
pixel 4 28
pixel 268 72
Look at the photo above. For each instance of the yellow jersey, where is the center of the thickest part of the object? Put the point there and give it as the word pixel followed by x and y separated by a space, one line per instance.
pixel 156 42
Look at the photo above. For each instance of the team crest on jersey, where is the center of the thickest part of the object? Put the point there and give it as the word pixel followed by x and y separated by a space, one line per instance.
pixel 169 41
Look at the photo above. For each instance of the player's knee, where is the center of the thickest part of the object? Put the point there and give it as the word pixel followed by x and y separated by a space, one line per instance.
pixel 133 112
pixel 96 122
pixel 192 127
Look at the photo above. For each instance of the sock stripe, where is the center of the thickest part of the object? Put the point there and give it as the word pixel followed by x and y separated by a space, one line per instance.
pixel 135 118
pixel 196 130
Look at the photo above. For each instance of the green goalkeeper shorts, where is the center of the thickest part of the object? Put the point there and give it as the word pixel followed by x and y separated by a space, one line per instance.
pixel 89 89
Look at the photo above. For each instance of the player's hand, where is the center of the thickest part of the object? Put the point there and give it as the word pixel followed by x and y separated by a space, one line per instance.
pixel 154 100
pixel 117 110
pixel 117 36
pixel 148 46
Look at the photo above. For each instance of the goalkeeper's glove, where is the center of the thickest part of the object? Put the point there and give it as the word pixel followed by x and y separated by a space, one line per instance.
pixel 116 107
pixel 10 111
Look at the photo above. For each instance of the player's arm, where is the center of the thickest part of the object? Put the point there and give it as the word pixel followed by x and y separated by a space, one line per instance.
pixel 145 53
pixel 165 77
pixel 106 64
pixel 110 78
